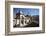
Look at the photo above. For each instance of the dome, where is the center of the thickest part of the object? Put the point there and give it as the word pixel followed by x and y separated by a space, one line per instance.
pixel 21 12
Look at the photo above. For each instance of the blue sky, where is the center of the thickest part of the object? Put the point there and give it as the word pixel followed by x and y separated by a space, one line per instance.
pixel 26 11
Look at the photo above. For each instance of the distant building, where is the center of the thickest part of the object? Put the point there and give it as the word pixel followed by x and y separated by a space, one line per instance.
pixel 21 19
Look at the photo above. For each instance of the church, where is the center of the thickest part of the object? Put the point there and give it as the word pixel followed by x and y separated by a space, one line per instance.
pixel 21 19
